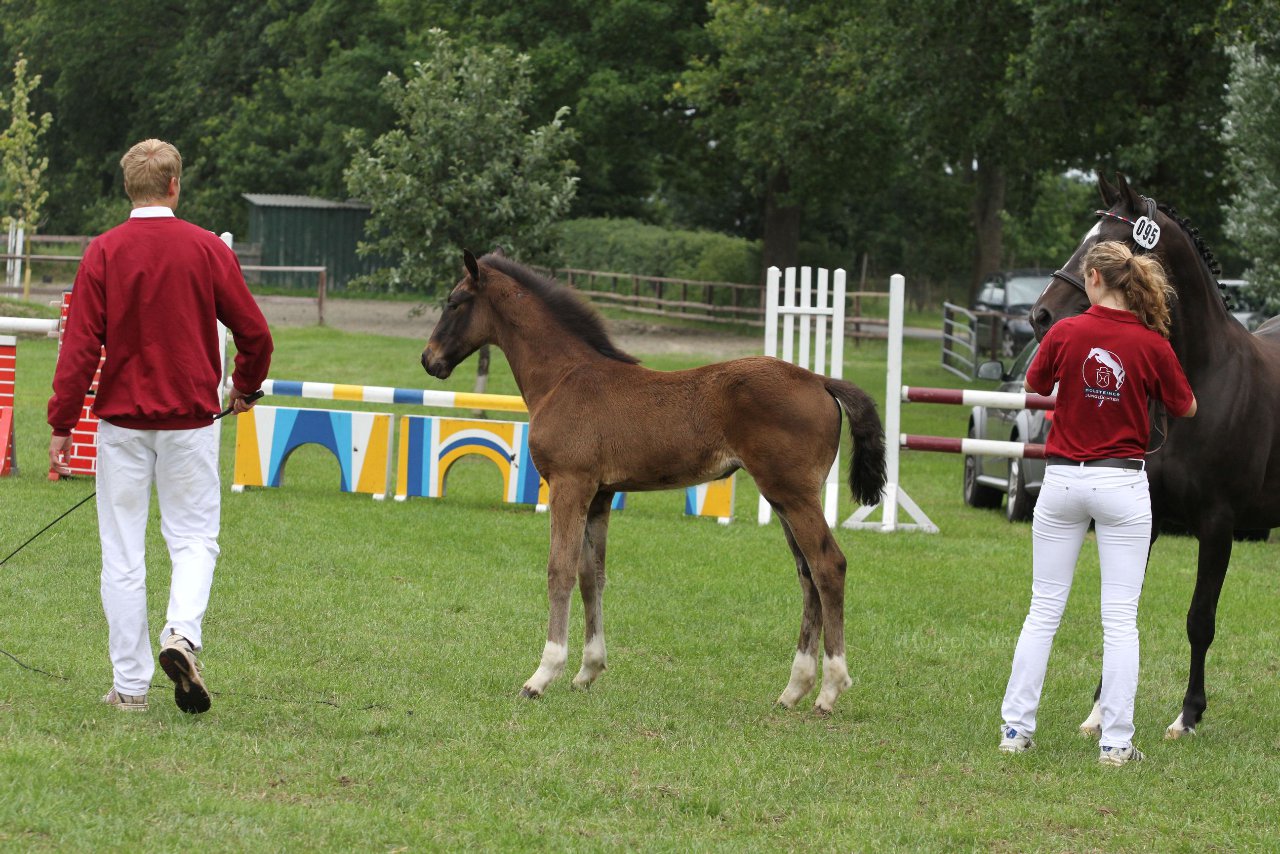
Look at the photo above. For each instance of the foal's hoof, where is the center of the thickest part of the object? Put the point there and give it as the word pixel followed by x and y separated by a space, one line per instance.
pixel 529 693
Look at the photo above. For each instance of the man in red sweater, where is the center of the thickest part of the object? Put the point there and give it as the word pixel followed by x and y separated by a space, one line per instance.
pixel 152 291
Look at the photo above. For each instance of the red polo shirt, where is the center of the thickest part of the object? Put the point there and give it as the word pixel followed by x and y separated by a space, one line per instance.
pixel 1107 365
pixel 150 290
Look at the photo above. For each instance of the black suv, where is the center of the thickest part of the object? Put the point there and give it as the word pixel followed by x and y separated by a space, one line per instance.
pixel 1011 294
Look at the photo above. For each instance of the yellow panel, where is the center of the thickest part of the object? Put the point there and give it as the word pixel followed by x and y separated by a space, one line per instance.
pixel 373 476
pixel 248 468
pixel 348 392
pixel 402 459
pixel 719 499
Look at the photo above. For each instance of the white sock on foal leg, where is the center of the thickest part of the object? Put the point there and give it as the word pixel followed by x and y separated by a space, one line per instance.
pixel 804 674
pixel 554 655
pixel 835 680
pixel 593 662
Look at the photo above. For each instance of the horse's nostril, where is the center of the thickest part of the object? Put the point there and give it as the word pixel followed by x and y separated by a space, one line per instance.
pixel 1041 318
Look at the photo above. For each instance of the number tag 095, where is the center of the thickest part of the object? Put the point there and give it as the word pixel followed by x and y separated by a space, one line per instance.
pixel 1146 233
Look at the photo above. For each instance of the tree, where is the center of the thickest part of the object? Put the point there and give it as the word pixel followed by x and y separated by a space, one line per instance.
pixel 1253 152
pixel 22 197
pixel 780 96
pixel 462 168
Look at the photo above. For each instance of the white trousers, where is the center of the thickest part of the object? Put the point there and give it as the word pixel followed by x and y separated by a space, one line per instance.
pixel 183 465
pixel 1119 503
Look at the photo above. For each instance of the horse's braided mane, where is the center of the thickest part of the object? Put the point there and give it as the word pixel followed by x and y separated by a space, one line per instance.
pixel 571 310
pixel 1194 233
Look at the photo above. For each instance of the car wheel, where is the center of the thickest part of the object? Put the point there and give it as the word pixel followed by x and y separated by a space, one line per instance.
pixel 978 494
pixel 1020 504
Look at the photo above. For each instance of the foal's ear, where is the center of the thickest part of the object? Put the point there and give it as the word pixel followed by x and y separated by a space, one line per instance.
pixel 473 269
pixel 1108 191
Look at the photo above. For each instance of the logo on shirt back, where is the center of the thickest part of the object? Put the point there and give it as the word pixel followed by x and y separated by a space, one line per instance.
pixel 1103 376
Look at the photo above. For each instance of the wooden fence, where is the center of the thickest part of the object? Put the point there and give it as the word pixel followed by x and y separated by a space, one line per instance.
pixel 709 302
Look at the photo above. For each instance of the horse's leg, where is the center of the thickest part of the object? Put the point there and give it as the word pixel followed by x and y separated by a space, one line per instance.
pixel 569 501
pixel 591 584
pixel 827 568
pixel 1211 571
pixel 804 668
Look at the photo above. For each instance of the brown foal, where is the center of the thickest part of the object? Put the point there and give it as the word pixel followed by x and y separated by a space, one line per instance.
pixel 599 424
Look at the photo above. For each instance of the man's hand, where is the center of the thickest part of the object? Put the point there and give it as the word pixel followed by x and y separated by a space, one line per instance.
pixel 239 400
pixel 59 449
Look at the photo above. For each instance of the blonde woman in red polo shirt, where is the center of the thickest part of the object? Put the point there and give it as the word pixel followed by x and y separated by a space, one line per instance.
pixel 1107 364
pixel 152 290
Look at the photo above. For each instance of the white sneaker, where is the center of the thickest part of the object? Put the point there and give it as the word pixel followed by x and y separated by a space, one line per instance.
pixel 1012 741
pixel 125 702
pixel 1120 755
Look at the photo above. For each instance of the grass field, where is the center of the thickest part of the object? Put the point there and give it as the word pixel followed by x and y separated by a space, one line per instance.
pixel 365 659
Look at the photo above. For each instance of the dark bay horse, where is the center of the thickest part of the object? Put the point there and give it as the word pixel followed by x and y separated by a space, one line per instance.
pixel 599 423
pixel 1218 472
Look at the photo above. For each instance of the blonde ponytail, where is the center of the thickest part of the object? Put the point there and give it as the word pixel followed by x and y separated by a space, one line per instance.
pixel 1140 278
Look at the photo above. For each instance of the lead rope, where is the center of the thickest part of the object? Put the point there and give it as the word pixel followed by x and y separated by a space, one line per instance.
pixel 1162 428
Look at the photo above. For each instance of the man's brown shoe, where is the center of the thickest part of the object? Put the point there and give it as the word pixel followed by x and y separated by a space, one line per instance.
pixel 178 659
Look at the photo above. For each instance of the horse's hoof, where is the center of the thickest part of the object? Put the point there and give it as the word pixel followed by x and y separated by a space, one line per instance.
pixel 1178 729
pixel 822 711
pixel 529 694
pixel 1088 730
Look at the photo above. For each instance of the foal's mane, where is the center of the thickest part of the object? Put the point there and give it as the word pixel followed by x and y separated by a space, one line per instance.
pixel 573 313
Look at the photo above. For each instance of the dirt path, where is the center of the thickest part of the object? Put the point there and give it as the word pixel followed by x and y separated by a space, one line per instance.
pixel 415 320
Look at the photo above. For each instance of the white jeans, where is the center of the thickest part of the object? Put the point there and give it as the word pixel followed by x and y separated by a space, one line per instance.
pixel 1119 502
pixel 183 465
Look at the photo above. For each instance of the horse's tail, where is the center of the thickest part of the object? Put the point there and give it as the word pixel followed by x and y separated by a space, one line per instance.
pixel 866 470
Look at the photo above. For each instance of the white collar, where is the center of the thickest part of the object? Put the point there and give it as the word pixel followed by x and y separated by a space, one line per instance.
pixel 150 211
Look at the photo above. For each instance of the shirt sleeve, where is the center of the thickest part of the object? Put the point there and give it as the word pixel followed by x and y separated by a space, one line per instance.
pixel 82 339
pixel 1040 373
pixel 239 312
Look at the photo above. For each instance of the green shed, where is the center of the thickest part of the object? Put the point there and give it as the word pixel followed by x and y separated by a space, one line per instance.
pixel 304 231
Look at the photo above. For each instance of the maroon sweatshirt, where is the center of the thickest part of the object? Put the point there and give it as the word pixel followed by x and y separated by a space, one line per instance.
pixel 150 291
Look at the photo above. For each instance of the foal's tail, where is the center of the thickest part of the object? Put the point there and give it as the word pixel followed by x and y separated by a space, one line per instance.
pixel 866 469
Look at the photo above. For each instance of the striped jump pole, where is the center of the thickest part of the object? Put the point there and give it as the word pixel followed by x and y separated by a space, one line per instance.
pixel 972 447
pixel 975 397
pixel 389 394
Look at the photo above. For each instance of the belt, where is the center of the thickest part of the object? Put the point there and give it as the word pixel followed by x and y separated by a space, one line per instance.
pixel 1132 465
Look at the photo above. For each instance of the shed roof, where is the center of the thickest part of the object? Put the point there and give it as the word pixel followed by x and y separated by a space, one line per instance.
pixel 270 200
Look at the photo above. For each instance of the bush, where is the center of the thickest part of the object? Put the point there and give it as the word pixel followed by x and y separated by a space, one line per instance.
pixel 630 246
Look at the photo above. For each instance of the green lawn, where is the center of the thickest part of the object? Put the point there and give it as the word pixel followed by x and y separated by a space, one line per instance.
pixel 365 659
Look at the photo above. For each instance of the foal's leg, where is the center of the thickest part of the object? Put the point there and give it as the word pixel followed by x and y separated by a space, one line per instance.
pixel 804 668
pixel 827 566
pixel 591 584
pixel 569 501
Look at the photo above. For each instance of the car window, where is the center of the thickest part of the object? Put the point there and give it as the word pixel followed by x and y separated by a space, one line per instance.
pixel 991 295
pixel 1020 364
pixel 1025 290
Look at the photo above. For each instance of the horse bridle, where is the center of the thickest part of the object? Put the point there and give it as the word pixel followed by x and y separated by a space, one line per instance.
pixel 1077 282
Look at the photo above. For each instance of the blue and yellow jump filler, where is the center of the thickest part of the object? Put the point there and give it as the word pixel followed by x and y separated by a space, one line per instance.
pixel 427 448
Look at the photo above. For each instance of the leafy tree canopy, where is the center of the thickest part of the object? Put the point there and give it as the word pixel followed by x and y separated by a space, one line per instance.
pixel 462 168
